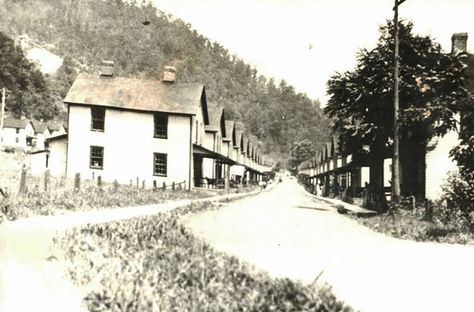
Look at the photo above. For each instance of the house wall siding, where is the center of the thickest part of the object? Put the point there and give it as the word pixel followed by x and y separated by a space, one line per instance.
pixel 57 158
pixel 438 163
pixel 128 146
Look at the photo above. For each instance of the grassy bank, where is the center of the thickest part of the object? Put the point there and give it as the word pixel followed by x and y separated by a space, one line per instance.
pixel 437 224
pixel 60 196
pixel 155 264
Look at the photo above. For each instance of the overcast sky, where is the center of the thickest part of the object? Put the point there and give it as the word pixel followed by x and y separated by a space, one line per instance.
pixel 306 41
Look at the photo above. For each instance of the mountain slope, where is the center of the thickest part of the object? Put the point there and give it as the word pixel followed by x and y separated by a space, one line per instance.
pixel 84 32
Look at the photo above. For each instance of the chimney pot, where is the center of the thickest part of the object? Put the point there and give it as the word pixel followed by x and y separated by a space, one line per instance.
pixel 459 43
pixel 169 74
pixel 107 68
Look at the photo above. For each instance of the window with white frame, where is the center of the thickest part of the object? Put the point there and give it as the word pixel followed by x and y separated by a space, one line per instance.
pixel 97 157
pixel 160 164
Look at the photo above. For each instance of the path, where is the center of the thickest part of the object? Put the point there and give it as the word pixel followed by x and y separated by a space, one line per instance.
pixel 287 233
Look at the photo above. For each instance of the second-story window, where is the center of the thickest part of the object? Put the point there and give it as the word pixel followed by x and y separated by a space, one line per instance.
pixel 161 126
pixel 97 118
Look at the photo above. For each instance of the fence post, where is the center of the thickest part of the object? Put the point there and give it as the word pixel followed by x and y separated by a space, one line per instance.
pixel 154 185
pixel 412 202
pixel 173 186
pixel 164 186
pixel 115 186
pixel 428 211
pixel 143 184
pixel 77 182
pixel 131 182
pixel 22 180
pixel 99 181
pixel 46 180
pixel 138 183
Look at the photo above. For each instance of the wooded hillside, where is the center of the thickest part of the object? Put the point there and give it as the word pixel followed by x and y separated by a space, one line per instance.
pixel 141 40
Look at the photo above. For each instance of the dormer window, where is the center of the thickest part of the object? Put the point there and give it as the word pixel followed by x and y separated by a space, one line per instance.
pixel 161 126
pixel 97 118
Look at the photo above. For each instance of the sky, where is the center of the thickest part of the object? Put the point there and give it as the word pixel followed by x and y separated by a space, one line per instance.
pixel 306 41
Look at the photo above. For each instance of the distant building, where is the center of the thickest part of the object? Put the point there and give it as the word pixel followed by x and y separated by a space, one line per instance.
pixel 18 133
pixel 52 158
pixel 41 132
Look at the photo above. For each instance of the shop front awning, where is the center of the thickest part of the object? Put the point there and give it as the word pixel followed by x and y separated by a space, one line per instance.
pixel 201 151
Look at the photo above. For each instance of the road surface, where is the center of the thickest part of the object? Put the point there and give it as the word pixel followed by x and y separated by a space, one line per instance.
pixel 288 234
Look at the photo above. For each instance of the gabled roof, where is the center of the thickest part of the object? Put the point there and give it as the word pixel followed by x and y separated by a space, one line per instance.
pixel 239 131
pixel 328 150
pixel 11 122
pixel 138 94
pixel 55 125
pixel 335 143
pixel 229 131
pixel 245 143
pixel 253 141
pixel 39 126
pixel 216 114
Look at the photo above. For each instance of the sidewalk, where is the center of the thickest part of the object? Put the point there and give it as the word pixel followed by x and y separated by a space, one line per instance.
pixel 342 206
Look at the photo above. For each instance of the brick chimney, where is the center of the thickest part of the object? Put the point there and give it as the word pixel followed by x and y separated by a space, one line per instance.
pixel 459 43
pixel 107 69
pixel 169 74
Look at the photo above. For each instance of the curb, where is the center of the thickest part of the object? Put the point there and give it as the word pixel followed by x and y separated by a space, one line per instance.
pixel 343 207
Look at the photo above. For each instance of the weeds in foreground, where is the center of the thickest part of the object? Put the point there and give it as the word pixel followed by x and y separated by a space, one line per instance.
pixel 57 201
pixel 155 264
pixel 427 222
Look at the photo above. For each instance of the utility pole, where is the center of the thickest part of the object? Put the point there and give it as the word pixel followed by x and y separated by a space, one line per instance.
pixel 396 134
pixel 2 116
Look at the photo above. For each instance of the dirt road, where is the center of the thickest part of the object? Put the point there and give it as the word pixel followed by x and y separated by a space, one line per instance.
pixel 288 234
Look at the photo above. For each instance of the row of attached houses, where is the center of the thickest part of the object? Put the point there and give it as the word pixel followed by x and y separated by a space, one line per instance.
pixel 334 172
pixel 152 131
pixel 28 135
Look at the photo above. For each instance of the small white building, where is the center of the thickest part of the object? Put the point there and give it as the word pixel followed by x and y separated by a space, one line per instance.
pixel 18 133
pixel 54 158
pixel 41 132
pixel 126 129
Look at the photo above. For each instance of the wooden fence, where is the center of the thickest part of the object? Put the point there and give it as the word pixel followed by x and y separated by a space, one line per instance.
pixel 25 183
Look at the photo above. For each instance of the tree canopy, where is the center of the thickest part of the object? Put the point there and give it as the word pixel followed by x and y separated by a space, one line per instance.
pixel 431 90
pixel 28 92
pixel 361 100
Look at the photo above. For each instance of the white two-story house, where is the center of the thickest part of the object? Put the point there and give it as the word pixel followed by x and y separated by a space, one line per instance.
pixel 130 130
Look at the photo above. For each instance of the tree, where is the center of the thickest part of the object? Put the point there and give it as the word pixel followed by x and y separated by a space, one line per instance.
pixel 300 152
pixel 361 102
pixel 29 95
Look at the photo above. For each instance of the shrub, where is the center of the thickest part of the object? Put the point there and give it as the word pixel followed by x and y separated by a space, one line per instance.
pixel 458 192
